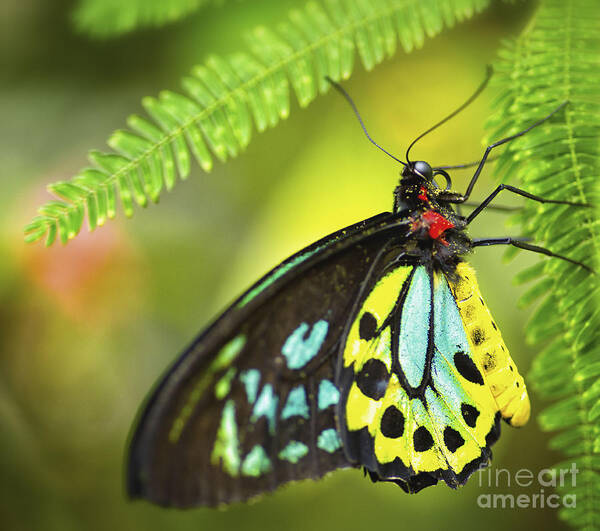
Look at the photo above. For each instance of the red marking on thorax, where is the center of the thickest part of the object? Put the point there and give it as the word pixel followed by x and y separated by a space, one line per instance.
pixel 423 194
pixel 437 224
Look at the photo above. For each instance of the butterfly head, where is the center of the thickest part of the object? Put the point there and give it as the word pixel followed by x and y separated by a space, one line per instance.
pixel 420 169
pixel 423 173
pixel 419 185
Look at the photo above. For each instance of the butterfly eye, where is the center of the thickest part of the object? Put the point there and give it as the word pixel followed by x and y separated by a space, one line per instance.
pixel 423 169
pixel 446 177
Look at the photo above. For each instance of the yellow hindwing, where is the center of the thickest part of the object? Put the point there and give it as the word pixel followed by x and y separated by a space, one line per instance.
pixel 489 350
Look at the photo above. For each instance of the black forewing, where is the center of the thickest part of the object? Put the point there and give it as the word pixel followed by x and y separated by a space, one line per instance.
pixel 172 459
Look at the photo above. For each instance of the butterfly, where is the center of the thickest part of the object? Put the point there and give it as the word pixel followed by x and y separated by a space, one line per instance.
pixel 371 348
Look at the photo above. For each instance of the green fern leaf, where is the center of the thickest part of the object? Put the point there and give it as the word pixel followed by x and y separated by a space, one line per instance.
pixel 109 18
pixel 557 59
pixel 225 96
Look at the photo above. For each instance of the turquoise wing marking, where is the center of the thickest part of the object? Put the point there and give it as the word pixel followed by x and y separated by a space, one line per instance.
pixel 251 379
pixel 414 327
pixel 256 463
pixel 464 403
pixel 449 332
pixel 299 349
pixel 447 383
pixel 266 405
pixel 296 404
pixel 329 394
pixel 449 338
pixel 329 440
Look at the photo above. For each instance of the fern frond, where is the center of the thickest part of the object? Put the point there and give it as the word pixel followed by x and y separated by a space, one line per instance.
pixel 557 59
pixel 109 18
pixel 225 96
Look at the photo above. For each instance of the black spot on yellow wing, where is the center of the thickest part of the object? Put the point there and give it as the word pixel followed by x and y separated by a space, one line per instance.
pixel 373 379
pixel 422 439
pixel 489 362
pixel 470 311
pixel 392 423
pixel 452 439
pixel 367 326
pixel 478 336
pixel 470 414
pixel 467 368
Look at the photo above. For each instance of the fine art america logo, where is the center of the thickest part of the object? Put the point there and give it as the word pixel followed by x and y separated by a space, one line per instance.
pixel 543 484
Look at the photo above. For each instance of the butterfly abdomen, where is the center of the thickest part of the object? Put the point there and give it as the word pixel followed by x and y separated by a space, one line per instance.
pixel 489 350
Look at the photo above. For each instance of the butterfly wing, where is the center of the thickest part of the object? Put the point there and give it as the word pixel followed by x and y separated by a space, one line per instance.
pixel 423 379
pixel 488 348
pixel 250 404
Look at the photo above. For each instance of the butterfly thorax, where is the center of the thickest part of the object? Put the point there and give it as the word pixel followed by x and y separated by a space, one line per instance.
pixel 436 233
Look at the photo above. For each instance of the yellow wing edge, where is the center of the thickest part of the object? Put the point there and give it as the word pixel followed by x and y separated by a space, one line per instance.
pixel 489 351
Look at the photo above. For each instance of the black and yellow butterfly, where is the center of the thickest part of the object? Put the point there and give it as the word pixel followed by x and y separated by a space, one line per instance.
pixel 370 348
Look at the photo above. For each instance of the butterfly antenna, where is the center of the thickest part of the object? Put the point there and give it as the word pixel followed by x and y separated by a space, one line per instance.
pixel 343 92
pixel 466 165
pixel 488 74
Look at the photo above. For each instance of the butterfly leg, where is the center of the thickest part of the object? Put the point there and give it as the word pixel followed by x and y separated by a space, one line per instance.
pixel 528 247
pixel 486 202
pixel 499 143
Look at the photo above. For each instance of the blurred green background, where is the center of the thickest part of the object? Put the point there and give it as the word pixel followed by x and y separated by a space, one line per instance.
pixel 88 328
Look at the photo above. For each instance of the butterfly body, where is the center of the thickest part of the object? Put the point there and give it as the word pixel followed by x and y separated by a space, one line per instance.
pixel 370 348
